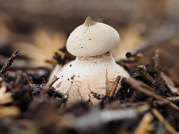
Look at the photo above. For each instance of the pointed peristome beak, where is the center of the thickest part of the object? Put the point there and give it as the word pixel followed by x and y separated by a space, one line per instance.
pixel 89 21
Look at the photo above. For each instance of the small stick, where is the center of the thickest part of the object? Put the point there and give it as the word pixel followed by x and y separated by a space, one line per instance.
pixel 173 99
pixel 9 62
pixel 146 75
pixel 164 122
pixel 145 126
pixel 156 60
pixel 141 87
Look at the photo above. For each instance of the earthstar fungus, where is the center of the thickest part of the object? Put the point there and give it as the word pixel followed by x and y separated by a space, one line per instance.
pixel 91 43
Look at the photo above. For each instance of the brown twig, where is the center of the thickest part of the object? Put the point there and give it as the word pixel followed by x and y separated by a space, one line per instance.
pixel 146 75
pixel 141 87
pixel 145 126
pixel 164 122
pixel 156 60
pixel 9 62
pixel 173 99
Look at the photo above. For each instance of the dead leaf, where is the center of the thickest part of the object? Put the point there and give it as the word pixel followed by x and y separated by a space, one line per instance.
pixel 9 111
pixel 44 45
pixel 5 97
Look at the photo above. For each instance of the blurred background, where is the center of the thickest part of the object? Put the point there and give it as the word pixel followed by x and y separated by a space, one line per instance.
pixel 39 28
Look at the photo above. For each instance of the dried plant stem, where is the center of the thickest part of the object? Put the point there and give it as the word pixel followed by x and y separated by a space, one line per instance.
pixel 164 122
pixel 141 87
pixel 173 99
pixel 8 63
pixel 146 75
pixel 145 126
